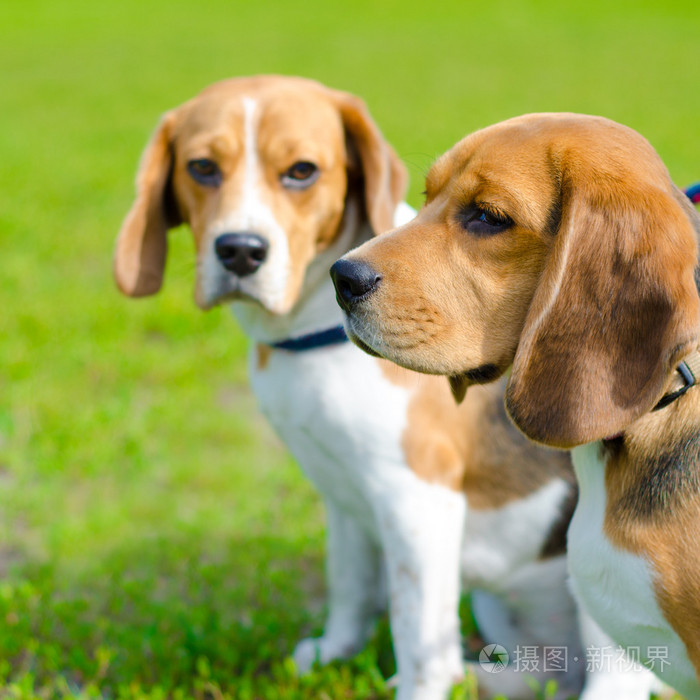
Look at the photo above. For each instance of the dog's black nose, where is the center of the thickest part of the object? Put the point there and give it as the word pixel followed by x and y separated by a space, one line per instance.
pixel 242 253
pixel 353 281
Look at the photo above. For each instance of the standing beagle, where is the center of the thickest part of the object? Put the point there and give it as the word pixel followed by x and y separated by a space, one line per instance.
pixel 277 177
pixel 556 245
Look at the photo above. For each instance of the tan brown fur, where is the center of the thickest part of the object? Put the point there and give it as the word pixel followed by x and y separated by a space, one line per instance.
pixel 473 447
pixel 478 448
pixel 262 353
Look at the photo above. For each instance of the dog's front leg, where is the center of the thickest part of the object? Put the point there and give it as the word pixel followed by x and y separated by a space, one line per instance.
pixel 421 526
pixel 354 581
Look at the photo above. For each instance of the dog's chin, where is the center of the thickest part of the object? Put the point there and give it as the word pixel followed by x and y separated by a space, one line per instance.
pixel 361 344
pixel 355 335
pixel 236 294
pixel 224 294
pixel 459 379
pixel 206 301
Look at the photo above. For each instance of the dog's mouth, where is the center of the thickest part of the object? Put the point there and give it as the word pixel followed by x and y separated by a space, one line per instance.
pixel 362 345
pixel 234 295
pixel 459 379
pixel 354 336
pixel 228 289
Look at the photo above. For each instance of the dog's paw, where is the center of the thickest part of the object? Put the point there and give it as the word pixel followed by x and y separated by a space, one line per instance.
pixel 307 653
pixel 322 650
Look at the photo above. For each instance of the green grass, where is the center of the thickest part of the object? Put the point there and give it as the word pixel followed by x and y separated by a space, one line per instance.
pixel 155 539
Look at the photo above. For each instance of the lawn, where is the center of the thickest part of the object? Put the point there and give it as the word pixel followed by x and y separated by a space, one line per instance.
pixel 155 538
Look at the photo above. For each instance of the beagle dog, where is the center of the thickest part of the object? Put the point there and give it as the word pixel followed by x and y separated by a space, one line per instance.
pixel 276 178
pixel 555 247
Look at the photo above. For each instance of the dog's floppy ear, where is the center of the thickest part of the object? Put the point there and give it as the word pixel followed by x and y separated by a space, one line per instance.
pixel 141 248
pixel 384 176
pixel 616 309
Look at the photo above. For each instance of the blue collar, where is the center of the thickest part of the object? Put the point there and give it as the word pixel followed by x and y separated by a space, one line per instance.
pixel 693 193
pixel 313 341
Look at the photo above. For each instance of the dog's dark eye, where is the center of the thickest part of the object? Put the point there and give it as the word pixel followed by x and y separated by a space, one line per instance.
pixel 204 171
pixel 482 221
pixel 301 175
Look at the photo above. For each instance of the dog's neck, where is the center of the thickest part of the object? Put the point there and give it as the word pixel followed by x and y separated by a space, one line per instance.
pixel 653 468
pixel 316 308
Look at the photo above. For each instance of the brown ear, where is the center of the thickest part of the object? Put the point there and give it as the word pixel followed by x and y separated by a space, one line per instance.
pixel 615 311
pixel 384 175
pixel 139 258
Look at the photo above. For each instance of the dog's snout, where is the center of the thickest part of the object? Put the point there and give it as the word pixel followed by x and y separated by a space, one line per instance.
pixel 241 253
pixel 353 281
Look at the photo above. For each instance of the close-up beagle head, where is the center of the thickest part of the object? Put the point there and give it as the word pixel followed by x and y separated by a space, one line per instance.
pixel 261 169
pixel 555 244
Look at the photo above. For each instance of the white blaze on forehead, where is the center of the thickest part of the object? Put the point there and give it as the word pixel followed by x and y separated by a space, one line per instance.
pixel 250 213
pixel 252 164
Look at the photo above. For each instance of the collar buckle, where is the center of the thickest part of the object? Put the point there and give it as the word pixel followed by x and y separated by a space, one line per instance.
pixel 689 381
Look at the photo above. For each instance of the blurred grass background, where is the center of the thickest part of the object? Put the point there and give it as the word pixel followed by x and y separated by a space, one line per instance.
pixel 155 538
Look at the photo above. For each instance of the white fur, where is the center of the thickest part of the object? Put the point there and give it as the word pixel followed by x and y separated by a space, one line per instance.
pixel 614 586
pixel 520 600
pixel 403 214
pixel 522 526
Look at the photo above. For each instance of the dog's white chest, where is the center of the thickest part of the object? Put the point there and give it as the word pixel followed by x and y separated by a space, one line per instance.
pixel 325 406
pixel 519 528
pixel 617 587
